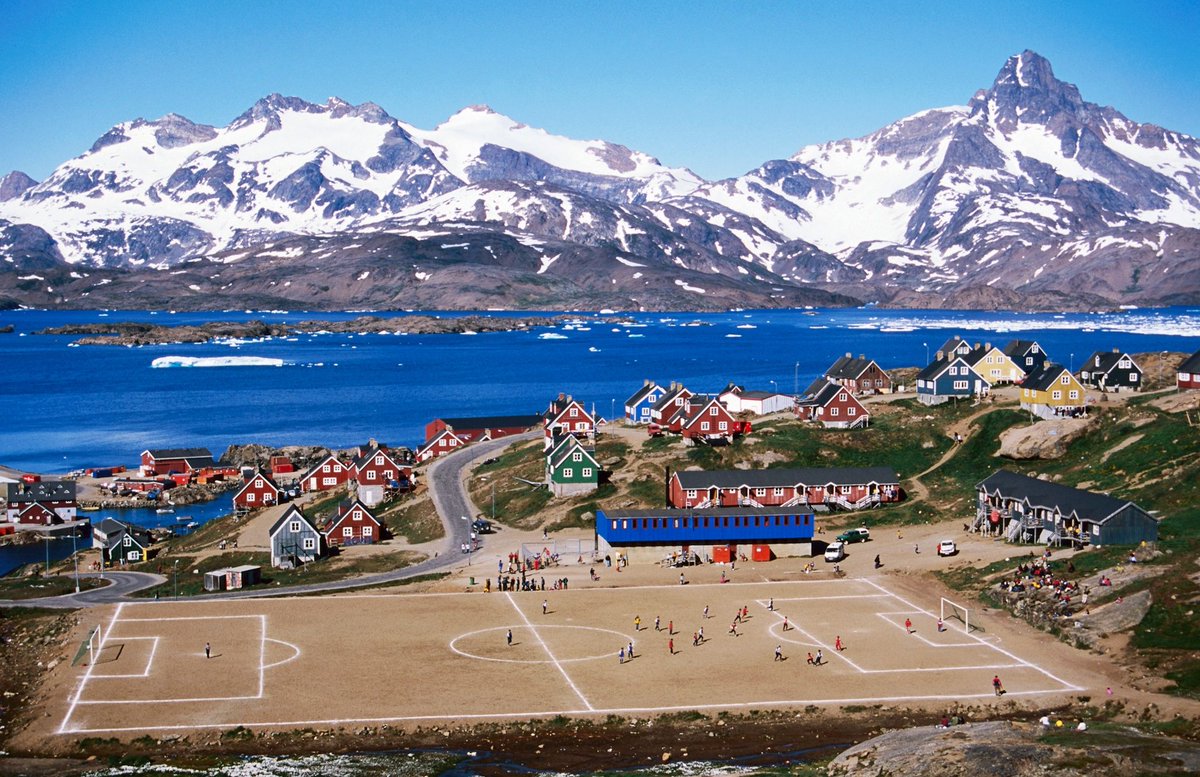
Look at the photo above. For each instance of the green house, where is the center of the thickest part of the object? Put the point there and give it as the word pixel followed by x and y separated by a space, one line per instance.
pixel 571 468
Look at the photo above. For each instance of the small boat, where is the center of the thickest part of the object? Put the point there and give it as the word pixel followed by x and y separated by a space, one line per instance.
pixel 89 508
pixel 165 510
pixel 183 517
pixel 192 525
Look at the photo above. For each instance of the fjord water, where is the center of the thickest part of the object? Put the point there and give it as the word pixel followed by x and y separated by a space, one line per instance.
pixel 69 407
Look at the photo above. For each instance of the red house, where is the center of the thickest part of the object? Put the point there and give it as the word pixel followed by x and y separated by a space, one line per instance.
pixel 567 416
pixel 845 487
pixel 56 496
pixel 861 375
pixel 353 525
pixel 483 427
pixel 259 490
pixel 1188 374
pixel 37 513
pixel 708 421
pixel 281 465
pixel 165 461
pixel 445 442
pixel 832 405
pixel 671 402
pixel 329 472
pixel 377 467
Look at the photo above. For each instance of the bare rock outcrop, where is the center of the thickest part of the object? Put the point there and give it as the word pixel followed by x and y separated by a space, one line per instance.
pixel 1043 439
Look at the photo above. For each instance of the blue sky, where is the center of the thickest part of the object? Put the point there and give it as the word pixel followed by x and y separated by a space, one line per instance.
pixel 718 87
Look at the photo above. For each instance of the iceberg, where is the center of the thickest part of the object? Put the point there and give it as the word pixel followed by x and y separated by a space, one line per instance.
pixel 215 361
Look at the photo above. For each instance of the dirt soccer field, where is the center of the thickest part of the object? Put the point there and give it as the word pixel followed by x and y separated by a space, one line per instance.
pixel 395 658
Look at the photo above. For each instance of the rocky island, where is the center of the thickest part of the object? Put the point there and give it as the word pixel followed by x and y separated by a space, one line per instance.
pixel 138 333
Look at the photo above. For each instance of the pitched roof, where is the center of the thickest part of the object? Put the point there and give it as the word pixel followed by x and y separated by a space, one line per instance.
pixel 493 422
pixel 849 367
pixel 824 394
pixel 259 474
pixel 1190 364
pixel 315 469
pixel 369 453
pixel 1043 379
pixel 1106 361
pixel 41 491
pixel 951 345
pixel 291 514
pixel 647 388
pixel 1018 347
pixel 1042 493
pixel 180 453
pixel 765 478
pixel 669 395
pixel 337 517
pixel 563 451
pixel 938 366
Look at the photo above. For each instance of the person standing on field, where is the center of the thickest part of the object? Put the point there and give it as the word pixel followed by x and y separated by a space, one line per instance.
pixel 908 625
pixel 509 637
pixel 207 650
pixel 997 686
pixel 545 605
pixel 779 652
pixel 837 644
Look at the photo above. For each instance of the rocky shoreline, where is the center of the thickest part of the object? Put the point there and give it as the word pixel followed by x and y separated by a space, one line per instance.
pixel 130 333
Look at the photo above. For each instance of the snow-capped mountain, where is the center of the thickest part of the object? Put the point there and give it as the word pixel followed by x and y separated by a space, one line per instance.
pixel 1027 195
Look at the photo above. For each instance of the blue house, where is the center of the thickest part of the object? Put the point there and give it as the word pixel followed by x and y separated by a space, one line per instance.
pixel 637 407
pixel 1027 355
pixel 949 378
pixel 295 540
pixel 653 535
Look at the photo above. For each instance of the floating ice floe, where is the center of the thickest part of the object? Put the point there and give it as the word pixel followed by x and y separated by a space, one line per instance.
pixel 551 336
pixel 215 361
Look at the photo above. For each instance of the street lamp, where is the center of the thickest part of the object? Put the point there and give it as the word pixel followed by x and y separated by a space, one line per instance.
pixel 467 518
pixel 75 558
pixel 493 502
pixel 1072 367
pixel 796 380
pixel 612 409
pixel 926 352
pixel 774 385
pixel 176 578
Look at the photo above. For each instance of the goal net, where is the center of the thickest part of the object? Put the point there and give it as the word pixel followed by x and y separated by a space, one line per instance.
pixel 560 551
pixel 89 646
pixel 954 611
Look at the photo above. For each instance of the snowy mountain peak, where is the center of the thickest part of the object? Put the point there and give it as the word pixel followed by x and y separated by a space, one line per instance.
pixel 1026 90
pixel 14 185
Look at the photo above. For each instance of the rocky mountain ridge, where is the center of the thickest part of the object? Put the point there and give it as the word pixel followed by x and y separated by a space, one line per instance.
pixel 1026 197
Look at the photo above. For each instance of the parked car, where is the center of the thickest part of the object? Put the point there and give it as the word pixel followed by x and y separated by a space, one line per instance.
pixel 947 548
pixel 481 526
pixel 855 535
pixel 836 551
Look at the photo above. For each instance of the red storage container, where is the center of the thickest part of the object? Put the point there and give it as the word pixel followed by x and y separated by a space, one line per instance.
pixel 723 554
pixel 761 553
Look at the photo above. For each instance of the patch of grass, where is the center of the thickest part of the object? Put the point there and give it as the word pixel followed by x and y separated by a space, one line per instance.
pixel 416 520
pixel 659 444
pixel 574 517
pixel 324 506
pixel 650 492
pixel 37 587
pixel 518 504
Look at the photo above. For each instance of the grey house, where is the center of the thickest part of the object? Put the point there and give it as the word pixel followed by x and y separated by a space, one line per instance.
pixel 295 540
pixel 1029 509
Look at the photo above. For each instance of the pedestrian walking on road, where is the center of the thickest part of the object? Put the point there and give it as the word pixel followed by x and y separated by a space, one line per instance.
pixel 207 650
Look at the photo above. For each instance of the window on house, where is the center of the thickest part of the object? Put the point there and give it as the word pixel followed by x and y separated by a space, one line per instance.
pixel 704 426
pixel 567 472
pixel 370 474
pixel 250 497
pixel 691 493
pixel 329 481
pixel 961 385
pixel 624 524
pixel 347 531
pixel 1073 394
pixel 576 456
pixel 453 442
pixel 846 489
pixel 1065 379
pixel 1133 377
pixel 294 527
pixel 778 491
pixel 676 523
pixel 760 492
pixel 587 472
pixel 1056 394
pixel 851 411
pixel 310 543
pixel 325 468
pixel 833 411
pixel 368 531
pixel 712 411
pixel 379 459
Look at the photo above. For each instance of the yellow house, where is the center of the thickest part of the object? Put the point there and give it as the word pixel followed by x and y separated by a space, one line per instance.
pixel 994 365
pixel 1052 391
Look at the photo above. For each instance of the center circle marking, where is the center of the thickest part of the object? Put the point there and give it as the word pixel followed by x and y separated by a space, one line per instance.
pixel 502 630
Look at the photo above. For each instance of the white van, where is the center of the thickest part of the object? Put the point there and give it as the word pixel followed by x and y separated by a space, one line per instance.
pixel 836 551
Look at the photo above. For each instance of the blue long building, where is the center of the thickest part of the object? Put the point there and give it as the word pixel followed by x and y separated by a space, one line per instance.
pixel 717 533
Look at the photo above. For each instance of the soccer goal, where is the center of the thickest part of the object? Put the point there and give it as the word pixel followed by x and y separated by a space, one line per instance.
pixel 954 611
pixel 89 646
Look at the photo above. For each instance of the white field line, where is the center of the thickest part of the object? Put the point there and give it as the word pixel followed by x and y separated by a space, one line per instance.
pixel 262 655
pixel 170 701
pixel 930 643
pixel 546 647
pixel 149 661
pixel 286 660
pixel 550 713
pixel 1066 685
pixel 62 727
pixel 190 618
